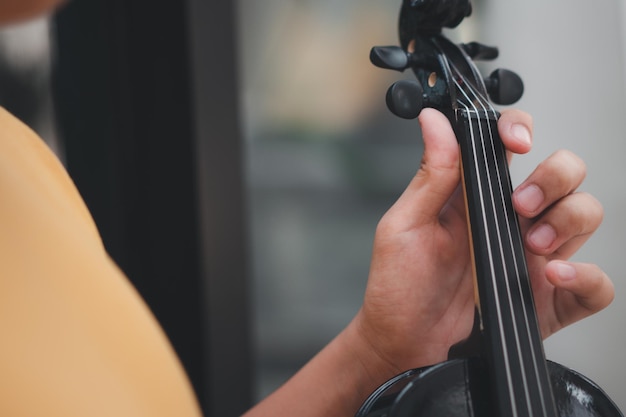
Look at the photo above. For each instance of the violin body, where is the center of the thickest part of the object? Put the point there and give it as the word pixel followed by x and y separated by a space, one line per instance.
pixel 460 388
pixel 500 370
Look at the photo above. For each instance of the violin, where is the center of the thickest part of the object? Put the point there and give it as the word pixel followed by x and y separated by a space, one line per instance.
pixel 500 369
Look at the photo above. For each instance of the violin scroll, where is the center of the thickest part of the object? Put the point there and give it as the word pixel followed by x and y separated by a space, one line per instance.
pixel 427 17
pixel 406 98
pixel 435 61
pixel 479 52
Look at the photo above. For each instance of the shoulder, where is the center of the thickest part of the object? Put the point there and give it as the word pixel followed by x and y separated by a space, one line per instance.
pixel 33 181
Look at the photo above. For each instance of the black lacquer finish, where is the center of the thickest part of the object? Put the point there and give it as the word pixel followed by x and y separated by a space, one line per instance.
pixel 459 388
pixel 512 344
pixel 501 369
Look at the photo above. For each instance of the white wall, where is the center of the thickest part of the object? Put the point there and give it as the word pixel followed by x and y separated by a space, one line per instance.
pixel 570 54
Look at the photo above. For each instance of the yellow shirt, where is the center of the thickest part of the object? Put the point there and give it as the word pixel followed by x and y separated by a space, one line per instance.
pixel 75 337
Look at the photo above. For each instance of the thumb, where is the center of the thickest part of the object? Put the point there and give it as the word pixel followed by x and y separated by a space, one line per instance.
pixel 438 176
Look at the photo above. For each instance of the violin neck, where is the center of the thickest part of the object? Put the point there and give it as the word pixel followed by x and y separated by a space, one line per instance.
pixel 511 338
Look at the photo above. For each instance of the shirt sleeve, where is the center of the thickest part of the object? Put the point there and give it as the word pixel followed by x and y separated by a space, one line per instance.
pixel 75 337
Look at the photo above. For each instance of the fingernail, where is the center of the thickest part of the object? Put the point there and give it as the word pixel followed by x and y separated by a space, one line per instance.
pixel 566 271
pixel 529 198
pixel 543 236
pixel 521 134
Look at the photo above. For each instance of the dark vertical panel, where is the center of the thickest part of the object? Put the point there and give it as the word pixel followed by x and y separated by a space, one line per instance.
pixel 214 51
pixel 131 115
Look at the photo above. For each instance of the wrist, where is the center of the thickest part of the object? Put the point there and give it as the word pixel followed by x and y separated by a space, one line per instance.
pixel 335 383
pixel 376 367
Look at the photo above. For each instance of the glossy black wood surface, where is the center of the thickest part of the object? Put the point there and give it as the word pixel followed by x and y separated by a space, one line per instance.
pixel 460 388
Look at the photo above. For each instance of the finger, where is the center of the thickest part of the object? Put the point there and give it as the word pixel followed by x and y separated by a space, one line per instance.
pixel 437 178
pixel 552 180
pixel 580 290
pixel 562 229
pixel 516 130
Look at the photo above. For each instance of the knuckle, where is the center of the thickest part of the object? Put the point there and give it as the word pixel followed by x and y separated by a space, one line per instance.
pixel 571 162
pixel 606 295
pixel 595 209
pixel 561 173
pixel 577 214
pixel 599 291
pixel 386 225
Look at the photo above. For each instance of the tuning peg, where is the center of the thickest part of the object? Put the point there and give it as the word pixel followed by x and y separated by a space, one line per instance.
pixel 479 52
pixel 405 98
pixel 504 86
pixel 390 57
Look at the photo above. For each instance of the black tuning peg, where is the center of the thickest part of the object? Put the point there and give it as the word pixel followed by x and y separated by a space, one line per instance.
pixel 390 57
pixel 504 86
pixel 405 98
pixel 479 52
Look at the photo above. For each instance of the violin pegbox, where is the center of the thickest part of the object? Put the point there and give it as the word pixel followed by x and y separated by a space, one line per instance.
pixel 404 98
pixel 421 22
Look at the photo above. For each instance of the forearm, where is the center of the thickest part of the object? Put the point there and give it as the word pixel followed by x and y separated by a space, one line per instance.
pixel 334 383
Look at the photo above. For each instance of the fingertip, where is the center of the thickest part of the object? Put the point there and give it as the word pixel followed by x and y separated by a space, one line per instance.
pixel 516 130
pixel 440 145
pixel 528 199
pixel 593 289
pixel 559 273
pixel 429 112
pixel 432 120
pixel 521 134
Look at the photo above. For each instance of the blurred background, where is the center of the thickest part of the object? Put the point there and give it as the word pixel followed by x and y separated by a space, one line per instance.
pixel 325 158
pixel 322 158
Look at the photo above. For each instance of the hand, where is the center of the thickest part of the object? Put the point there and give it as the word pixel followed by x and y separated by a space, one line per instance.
pixel 420 299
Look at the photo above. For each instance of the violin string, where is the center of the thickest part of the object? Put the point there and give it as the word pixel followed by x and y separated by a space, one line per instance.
pixel 482 100
pixel 507 282
pixel 488 108
pixel 520 266
pixel 507 364
pixel 507 216
pixel 505 189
